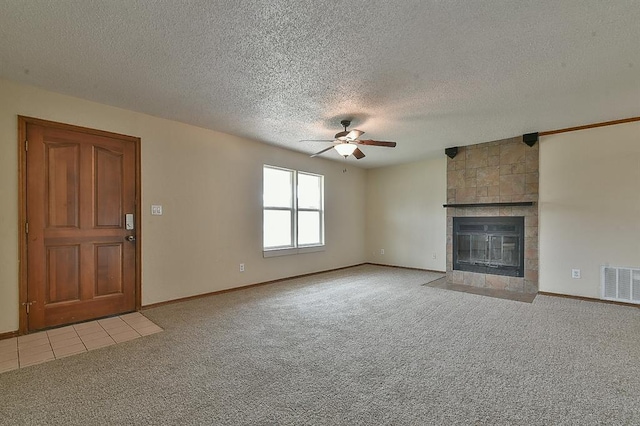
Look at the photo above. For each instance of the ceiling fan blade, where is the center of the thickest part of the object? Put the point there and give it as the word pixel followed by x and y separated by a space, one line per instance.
pixel 316 140
pixel 341 135
pixel 358 154
pixel 354 134
pixel 377 143
pixel 323 151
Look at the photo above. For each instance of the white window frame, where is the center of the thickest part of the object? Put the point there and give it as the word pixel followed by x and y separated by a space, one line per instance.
pixel 295 248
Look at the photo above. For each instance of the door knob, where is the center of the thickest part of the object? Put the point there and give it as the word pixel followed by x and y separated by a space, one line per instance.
pixel 130 238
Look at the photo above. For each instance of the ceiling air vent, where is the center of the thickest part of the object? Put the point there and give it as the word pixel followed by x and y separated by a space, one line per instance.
pixel 621 284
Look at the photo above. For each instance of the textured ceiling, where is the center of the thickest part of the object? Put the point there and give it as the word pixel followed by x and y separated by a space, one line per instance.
pixel 427 74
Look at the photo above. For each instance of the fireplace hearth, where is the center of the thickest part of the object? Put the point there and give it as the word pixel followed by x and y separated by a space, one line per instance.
pixel 489 245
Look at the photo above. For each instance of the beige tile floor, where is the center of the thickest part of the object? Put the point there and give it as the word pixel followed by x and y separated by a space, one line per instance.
pixel 31 349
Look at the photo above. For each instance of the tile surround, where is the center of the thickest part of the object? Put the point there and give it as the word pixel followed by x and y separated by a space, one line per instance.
pixel 493 172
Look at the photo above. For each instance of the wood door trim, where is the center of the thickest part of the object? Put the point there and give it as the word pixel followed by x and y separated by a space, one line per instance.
pixel 23 121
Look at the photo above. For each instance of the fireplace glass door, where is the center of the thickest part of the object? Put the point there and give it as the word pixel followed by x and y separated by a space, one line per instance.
pixel 489 245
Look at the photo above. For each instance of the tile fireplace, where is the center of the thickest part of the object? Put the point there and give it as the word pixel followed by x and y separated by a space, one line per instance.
pixel 492 216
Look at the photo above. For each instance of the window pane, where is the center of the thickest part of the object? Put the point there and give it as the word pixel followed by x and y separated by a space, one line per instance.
pixel 308 228
pixel 309 191
pixel 277 188
pixel 277 228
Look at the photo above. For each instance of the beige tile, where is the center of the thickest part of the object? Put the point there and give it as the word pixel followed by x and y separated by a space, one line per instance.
pixel 126 336
pixel 511 153
pixel 32 349
pixel 110 322
pixel 63 336
pixel 66 343
pixel 119 329
pixel 61 330
pixel 149 330
pixel 82 328
pixel 137 320
pixel 32 344
pixel 90 330
pixel 466 195
pixel 99 343
pixel 455 179
pixel 516 284
pixel 12 342
pixel 101 334
pixel 477 157
pixel 142 324
pixel 531 275
pixel 497 282
pixel 69 350
pixel 488 176
pixel 36 359
pixel 8 365
pixel 8 356
pixel 42 335
pixel 9 346
pixel 512 185
pixel 131 316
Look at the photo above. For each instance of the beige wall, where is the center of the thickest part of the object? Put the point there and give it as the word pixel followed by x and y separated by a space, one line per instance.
pixel 405 216
pixel 210 186
pixel 589 206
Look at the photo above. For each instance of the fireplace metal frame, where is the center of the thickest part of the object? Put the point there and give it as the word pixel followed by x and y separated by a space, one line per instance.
pixel 512 226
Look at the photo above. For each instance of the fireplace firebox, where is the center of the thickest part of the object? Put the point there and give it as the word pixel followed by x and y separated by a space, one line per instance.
pixel 489 245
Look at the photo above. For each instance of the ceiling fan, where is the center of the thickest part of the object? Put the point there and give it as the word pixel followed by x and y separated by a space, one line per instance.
pixel 346 142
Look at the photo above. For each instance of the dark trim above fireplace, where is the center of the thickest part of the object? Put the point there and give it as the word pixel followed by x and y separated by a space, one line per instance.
pixel 506 204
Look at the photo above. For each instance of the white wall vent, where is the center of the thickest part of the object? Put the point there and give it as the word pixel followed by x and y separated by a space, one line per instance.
pixel 620 284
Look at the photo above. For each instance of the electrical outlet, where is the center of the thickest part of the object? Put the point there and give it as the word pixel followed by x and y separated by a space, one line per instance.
pixel 156 210
pixel 575 273
pixel 242 267
pixel 433 256
pixel 381 251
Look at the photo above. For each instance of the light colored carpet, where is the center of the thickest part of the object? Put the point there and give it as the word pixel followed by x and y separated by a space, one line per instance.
pixel 365 345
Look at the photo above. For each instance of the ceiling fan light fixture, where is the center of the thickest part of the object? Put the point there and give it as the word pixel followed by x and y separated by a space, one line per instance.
pixel 345 149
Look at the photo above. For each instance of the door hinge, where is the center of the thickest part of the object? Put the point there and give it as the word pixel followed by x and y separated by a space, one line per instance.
pixel 27 305
pixel 26 145
pixel 26 227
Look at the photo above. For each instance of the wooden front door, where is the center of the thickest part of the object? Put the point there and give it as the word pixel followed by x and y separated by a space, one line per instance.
pixel 80 243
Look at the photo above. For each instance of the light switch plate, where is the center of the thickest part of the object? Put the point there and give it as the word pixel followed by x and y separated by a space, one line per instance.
pixel 156 210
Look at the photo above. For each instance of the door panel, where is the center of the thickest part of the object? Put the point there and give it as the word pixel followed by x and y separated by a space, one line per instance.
pixel 79 186
pixel 63 273
pixel 63 165
pixel 108 188
pixel 109 269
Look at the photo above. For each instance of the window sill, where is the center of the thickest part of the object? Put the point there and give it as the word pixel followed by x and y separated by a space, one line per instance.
pixel 291 251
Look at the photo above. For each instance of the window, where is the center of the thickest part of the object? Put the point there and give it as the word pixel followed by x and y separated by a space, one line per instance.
pixel 293 209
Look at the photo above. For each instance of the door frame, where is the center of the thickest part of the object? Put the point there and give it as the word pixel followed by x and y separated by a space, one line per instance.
pixel 23 121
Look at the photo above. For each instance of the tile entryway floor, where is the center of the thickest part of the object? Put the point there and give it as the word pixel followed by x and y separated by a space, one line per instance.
pixel 31 349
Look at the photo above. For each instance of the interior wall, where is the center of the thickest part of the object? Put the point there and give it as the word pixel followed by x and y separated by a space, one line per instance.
pixel 589 206
pixel 405 216
pixel 210 187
